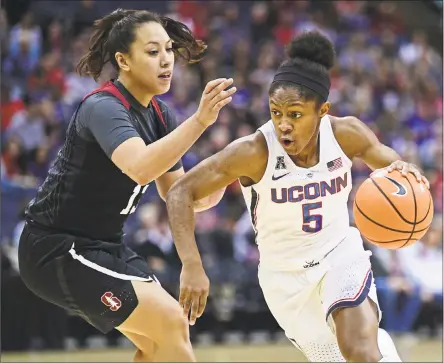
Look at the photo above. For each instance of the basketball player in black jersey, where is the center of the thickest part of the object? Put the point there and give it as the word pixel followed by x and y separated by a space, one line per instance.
pixel 120 139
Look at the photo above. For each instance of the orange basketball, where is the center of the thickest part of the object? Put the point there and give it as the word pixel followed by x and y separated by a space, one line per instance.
pixel 393 211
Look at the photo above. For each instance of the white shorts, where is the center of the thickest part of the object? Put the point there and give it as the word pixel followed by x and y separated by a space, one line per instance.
pixel 302 301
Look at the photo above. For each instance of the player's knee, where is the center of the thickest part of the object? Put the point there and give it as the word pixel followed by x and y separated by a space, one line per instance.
pixel 360 353
pixel 174 323
pixel 359 346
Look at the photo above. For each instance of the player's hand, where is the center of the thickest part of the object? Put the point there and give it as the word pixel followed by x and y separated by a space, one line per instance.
pixel 213 99
pixel 194 289
pixel 406 168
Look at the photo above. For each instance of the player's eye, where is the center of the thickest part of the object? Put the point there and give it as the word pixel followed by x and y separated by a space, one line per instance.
pixel 153 52
pixel 295 114
pixel 170 49
pixel 275 113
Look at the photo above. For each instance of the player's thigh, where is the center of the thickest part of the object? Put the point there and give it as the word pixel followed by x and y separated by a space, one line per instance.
pixel 97 284
pixel 157 316
pixel 294 300
pixel 350 283
pixel 295 303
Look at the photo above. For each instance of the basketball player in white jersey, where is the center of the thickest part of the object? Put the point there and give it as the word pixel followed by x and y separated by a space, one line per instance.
pixel 295 173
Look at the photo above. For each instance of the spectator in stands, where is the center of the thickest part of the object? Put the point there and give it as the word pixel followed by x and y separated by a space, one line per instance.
pixel 28 126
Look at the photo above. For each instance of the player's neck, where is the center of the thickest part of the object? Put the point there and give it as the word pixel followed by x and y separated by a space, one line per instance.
pixel 139 94
pixel 310 155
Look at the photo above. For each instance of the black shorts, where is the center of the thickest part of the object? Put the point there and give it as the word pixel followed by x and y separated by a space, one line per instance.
pixel 87 277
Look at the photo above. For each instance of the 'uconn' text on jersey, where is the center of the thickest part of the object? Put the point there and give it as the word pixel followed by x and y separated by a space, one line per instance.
pixel 311 191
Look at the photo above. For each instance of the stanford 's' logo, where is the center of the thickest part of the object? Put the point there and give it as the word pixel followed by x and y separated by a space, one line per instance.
pixel 111 301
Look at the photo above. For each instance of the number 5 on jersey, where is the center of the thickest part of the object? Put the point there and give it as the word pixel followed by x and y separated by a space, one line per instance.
pixel 307 225
pixel 134 199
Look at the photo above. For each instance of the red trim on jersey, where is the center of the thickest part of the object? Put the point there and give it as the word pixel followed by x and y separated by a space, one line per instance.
pixel 159 113
pixel 110 88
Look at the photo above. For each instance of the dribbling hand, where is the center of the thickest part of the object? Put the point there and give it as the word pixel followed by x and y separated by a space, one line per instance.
pixel 405 168
pixel 194 290
pixel 213 99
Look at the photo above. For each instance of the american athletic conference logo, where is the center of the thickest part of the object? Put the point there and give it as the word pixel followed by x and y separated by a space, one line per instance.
pixel 111 301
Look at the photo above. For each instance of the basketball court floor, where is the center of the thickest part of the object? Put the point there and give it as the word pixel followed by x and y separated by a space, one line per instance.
pixel 420 351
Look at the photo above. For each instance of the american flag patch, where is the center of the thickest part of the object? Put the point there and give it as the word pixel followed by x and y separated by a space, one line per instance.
pixel 334 164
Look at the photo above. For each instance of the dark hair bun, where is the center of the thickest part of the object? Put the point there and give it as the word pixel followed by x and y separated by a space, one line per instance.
pixel 312 46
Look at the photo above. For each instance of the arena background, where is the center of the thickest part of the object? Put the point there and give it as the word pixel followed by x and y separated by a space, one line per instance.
pixel 388 73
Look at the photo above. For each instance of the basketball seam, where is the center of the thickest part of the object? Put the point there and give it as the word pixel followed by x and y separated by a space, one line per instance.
pixel 391 203
pixel 416 212
pixel 381 225
pixel 428 211
pixel 394 240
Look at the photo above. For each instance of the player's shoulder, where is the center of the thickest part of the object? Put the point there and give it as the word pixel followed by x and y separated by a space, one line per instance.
pixel 345 126
pixel 349 129
pixel 253 144
pixel 248 156
pixel 351 134
pixel 103 100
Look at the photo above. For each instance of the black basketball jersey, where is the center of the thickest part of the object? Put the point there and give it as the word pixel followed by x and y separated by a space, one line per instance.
pixel 85 193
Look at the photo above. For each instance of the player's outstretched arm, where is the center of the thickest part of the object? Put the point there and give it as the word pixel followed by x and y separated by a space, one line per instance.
pixel 357 140
pixel 246 157
pixel 165 181
pixel 145 163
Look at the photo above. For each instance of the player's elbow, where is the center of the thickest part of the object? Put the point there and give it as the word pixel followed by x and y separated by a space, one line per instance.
pixel 139 177
pixel 178 192
pixel 140 174
pixel 209 201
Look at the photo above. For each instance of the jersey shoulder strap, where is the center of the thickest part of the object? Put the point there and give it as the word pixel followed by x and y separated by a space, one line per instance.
pixel 158 111
pixel 109 87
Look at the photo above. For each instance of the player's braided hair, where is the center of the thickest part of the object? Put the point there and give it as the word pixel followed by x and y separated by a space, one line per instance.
pixel 115 33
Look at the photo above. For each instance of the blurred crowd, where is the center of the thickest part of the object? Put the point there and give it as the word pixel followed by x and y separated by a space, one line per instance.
pixel 386 74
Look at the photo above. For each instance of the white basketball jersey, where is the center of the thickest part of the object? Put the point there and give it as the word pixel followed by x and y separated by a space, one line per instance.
pixel 300 214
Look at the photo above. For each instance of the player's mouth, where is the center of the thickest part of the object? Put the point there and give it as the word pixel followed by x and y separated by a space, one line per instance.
pixel 166 76
pixel 287 143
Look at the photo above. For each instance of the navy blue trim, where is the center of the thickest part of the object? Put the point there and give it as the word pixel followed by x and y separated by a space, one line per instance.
pixel 356 302
pixel 253 205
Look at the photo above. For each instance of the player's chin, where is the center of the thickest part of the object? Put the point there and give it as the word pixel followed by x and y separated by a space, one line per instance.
pixel 163 88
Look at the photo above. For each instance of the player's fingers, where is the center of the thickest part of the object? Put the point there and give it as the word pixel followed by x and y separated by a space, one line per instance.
pixel 397 165
pixel 202 304
pixel 417 175
pixel 404 169
pixel 220 88
pixel 222 96
pixel 187 307
pixel 426 182
pixel 222 103
pixel 195 297
pixel 212 84
pixel 184 298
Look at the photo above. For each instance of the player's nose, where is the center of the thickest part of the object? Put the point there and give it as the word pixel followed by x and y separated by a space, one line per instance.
pixel 285 126
pixel 165 61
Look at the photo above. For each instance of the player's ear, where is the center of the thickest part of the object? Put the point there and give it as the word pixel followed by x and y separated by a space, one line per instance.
pixel 122 61
pixel 323 110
